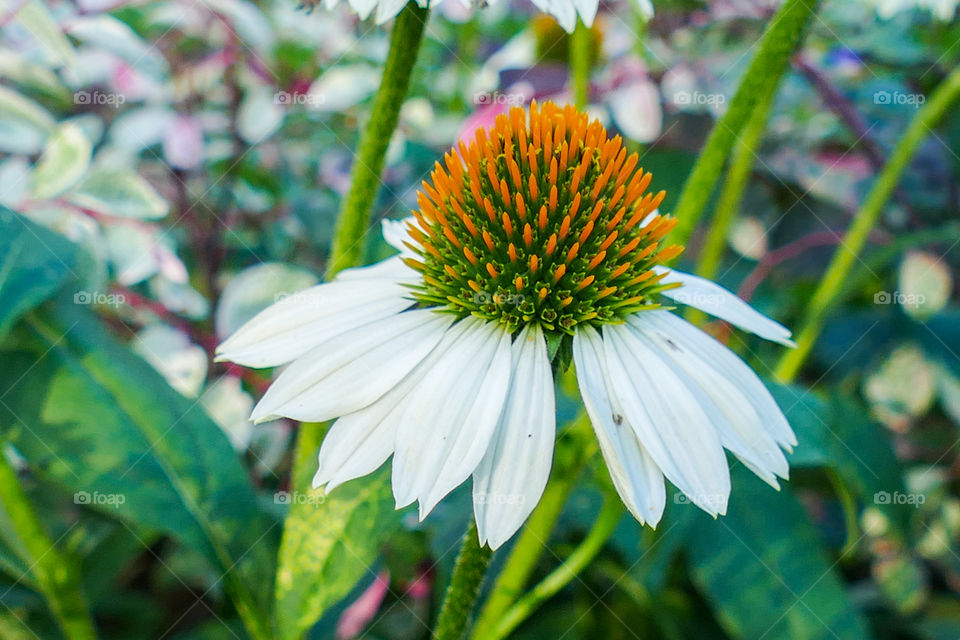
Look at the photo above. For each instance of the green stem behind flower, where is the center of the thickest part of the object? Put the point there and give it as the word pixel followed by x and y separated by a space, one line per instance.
pixel 55 573
pixel 761 79
pixel 354 217
pixel 574 449
pixel 731 195
pixel 464 587
pixel 581 43
pixel 831 284
pixel 602 529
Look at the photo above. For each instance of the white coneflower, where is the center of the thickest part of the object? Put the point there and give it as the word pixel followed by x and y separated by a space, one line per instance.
pixel 537 243
pixel 565 11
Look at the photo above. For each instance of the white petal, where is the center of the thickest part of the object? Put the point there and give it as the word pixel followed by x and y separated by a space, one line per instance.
pixel 646 8
pixel 391 268
pixel 397 234
pixel 713 299
pixel 562 10
pixel 635 475
pixel 668 419
pixel 729 365
pixel 730 409
pixel 363 7
pixel 290 327
pixel 448 419
pixel 354 369
pixel 510 478
pixel 388 9
pixel 587 10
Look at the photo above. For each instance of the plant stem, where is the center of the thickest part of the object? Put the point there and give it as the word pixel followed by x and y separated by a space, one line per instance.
pixel 602 529
pixel 573 452
pixel 837 273
pixel 762 77
pixel 581 43
pixel 54 572
pixel 464 587
pixel 348 246
pixel 731 195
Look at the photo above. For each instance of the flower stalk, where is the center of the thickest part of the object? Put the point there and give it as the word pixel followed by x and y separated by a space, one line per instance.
pixel 761 79
pixel 54 572
pixel 468 574
pixel 354 217
pixel 580 51
pixel 603 528
pixel 828 291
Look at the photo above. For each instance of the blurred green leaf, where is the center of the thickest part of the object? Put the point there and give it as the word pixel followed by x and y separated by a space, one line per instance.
pixel 764 570
pixel 63 162
pixel 119 193
pixel 24 124
pixel 329 544
pixel 36 19
pixel 34 263
pixel 94 418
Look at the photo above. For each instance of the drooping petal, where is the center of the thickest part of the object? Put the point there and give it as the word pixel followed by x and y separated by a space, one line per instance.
pixel 730 409
pixel 396 233
pixel 668 419
pixel 729 365
pixel 292 326
pixel 635 475
pixel 447 420
pixel 388 9
pixel 354 369
pixel 562 10
pixel 587 10
pixel 711 298
pixel 510 478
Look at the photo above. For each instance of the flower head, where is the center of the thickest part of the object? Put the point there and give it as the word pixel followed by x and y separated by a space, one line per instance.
pixel 537 240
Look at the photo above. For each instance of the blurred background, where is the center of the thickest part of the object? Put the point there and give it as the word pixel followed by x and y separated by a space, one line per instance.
pixel 169 168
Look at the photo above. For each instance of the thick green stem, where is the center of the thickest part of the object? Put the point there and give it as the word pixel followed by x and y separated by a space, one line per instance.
pixel 731 195
pixel 54 573
pixel 762 77
pixel 838 271
pixel 602 529
pixel 572 454
pixel 581 43
pixel 464 587
pixel 348 236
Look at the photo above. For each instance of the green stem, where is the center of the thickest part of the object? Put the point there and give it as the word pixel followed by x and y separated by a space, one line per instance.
pixel 573 452
pixel 54 572
pixel 348 247
pixel 464 587
pixel 581 43
pixel 731 195
pixel 838 271
pixel 762 77
pixel 602 529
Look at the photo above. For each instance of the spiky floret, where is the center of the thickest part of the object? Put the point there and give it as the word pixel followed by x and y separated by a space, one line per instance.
pixel 542 218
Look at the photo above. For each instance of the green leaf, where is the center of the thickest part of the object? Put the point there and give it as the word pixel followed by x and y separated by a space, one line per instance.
pixel 63 162
pixel 35 18
pixel 764 571
pixel 34 263
pixel 119 193
pixel 24 124
pixel 92 417
pixel 329 543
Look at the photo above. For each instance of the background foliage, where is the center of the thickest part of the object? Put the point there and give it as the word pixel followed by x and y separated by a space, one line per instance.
pixel 168 168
